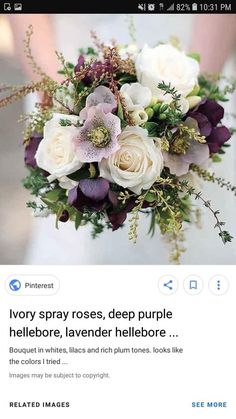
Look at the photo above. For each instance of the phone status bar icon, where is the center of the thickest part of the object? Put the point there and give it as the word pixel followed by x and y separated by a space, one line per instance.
pixel 171 8
pixel 142 7
pixel 18 7
pixel 7 7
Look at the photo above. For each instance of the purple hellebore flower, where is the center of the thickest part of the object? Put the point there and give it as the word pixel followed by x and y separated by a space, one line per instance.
pixel 97 195
pixel 91 193
pixel 30 151
pixel 97 139
pixel 208 115
pixel 95 189
pixel 101 96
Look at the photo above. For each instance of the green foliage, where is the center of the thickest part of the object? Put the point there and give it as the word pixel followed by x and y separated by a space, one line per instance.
pixel 35 181
pixel 54 196
pixel 209 88
pixel 88 171
pixel 96 219
pixel 120 112
pixel 224 235
pixel 167 89
pixel 35 121
pixel 67 69
pixel 216 158
pixel 211 177
pixel 34 206
pixel 88 52
pixel 195 56
pixel 126 78
pixel 152 128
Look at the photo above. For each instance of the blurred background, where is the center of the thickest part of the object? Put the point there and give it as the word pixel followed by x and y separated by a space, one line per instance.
pixel 14 217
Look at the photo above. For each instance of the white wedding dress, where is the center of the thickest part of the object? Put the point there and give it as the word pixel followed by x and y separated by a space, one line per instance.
pixel 68 246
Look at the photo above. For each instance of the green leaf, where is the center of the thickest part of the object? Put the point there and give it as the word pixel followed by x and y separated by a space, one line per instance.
pixel 70 65
pixel 195 56
pixel 216 158
pixel 61 72
pixel 53 196
pixel 65 122
pixel 120 112
pixel 152 128
pixel 78 219
pixel 91 51
pixel 83 173
pixel 126 78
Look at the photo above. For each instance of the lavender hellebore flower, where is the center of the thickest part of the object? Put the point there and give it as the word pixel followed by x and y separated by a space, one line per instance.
pixel 197 153
pixel 97 139
pixel 101 96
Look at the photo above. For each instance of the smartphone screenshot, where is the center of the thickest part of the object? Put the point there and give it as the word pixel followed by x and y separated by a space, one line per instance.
pixel 117 210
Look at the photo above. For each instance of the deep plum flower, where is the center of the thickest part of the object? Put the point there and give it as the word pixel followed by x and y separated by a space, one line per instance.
pixel 31 149
pixel 117 218
pixel 95 189
pixel 80 63
pixel 101 96
pixel 97 139
pixel 208 115
pixel 91 193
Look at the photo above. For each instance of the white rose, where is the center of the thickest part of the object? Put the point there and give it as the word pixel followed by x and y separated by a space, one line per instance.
pixel 55 153
pixel 138 162
pixel 166 63
pixel 136 96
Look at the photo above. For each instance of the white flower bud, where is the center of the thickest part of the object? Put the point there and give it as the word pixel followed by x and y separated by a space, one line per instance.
pixel 139 116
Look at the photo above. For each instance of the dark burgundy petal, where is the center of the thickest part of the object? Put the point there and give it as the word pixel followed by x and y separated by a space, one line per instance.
pixel 30 151
pixel 217 138
pixel 212 110
pixel 118 218
pixel 204 125
pixel 80 63
pixel 113 198
pixel 95 189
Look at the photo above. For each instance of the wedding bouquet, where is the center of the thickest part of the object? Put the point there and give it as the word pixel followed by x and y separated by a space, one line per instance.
pixel 128 131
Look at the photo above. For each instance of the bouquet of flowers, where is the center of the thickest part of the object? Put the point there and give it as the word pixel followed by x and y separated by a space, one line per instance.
pixel 127 131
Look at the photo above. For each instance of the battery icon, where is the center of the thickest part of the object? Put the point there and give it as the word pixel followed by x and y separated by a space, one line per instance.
pixel 194 7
